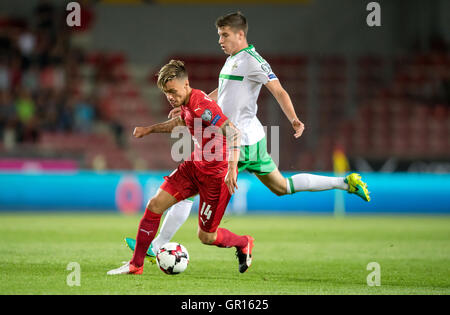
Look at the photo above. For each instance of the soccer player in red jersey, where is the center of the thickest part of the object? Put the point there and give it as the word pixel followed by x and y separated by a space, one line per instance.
pixel 210 173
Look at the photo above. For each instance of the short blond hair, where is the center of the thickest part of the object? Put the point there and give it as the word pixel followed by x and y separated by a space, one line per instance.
pixel 175 69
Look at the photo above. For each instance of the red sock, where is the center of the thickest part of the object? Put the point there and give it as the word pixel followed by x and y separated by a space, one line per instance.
pixel 146 233
pixel 227 239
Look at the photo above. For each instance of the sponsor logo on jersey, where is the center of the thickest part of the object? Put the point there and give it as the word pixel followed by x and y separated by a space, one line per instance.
pixel 207 115
pixel 272 76
pixel 215 120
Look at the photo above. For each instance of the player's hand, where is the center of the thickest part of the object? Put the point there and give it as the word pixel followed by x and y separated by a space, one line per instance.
pixel 298 127
pixel 176 112
pixel 139 132
pixel 231 180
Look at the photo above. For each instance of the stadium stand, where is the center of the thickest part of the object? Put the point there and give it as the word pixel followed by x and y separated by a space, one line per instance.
pixel 58 101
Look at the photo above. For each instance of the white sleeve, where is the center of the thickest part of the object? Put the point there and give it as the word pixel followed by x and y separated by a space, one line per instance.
pixel 260 72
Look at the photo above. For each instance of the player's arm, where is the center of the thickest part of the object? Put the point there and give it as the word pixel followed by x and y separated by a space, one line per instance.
pixel 164 127
pixel 286 105
pixel 233 136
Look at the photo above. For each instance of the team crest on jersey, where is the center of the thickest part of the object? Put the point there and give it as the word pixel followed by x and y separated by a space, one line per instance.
pixel 234 66
pixel 207 115
pixel 266 67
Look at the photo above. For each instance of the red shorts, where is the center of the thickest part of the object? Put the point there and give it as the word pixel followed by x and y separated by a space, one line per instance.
pixel 187 181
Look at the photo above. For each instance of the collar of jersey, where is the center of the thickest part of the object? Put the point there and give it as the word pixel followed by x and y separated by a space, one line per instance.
pixel 246 48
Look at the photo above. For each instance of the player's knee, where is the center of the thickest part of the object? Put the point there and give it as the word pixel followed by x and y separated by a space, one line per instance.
pixel 155 206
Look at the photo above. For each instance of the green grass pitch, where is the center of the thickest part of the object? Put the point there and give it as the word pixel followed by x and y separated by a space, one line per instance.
pixel 292 255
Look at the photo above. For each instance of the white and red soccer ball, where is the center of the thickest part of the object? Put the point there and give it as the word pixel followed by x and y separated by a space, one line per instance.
pixel 172 258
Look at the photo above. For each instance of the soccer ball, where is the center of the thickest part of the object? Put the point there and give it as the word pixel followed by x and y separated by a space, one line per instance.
pixel 172 258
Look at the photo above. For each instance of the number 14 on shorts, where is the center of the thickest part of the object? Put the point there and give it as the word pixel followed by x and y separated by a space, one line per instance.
pixel 205 210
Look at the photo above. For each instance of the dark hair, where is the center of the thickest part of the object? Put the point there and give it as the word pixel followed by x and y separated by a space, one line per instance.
pixel 175 69
pixel 236 21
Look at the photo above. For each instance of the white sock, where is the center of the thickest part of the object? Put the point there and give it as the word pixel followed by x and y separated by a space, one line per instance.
pixel 174 219
pixel 309 182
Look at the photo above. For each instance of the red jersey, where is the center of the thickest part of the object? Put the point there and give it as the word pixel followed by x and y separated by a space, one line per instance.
pixel 204 117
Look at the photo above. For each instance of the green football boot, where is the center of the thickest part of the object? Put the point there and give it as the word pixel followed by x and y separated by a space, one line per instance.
pixel 151 256
pixel 357 186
